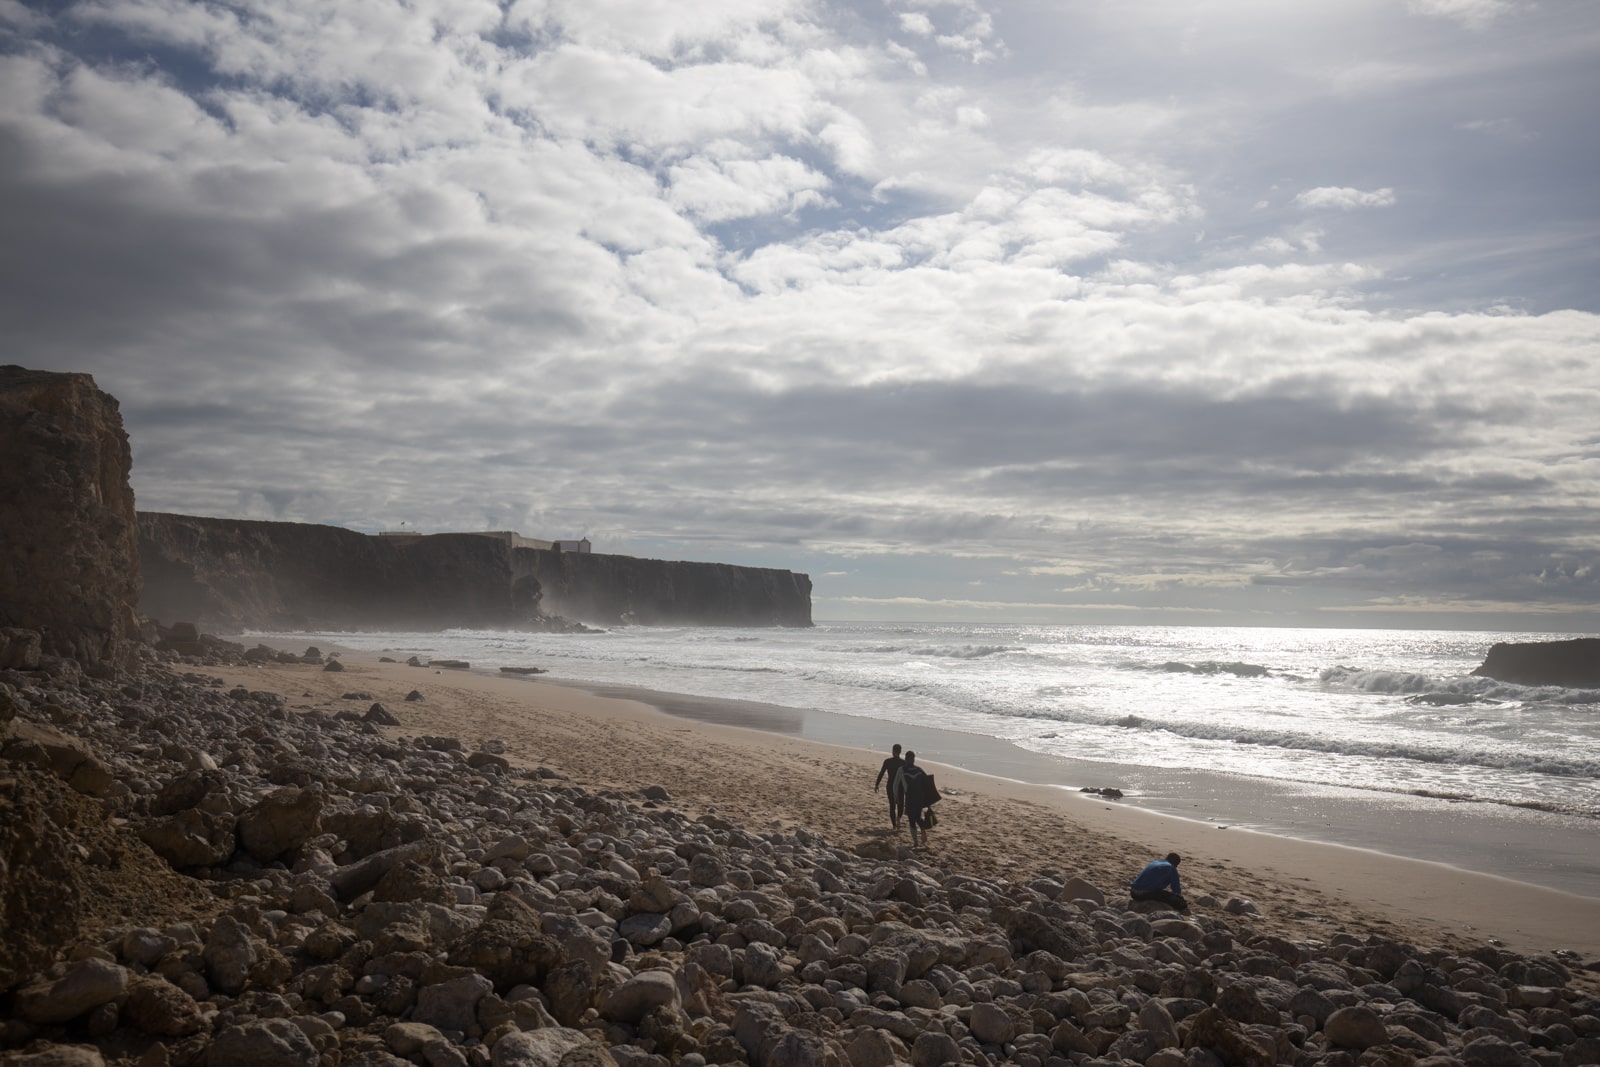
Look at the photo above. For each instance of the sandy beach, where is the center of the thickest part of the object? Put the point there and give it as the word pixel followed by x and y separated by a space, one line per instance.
pixel 988 825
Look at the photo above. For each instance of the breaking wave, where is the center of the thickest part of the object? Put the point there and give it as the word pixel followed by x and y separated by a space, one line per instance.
pixel 1240 670
pixel 1460 689
pixel 940 651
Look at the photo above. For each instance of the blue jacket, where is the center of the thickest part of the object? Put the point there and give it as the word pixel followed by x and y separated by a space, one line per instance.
pixel 1158 874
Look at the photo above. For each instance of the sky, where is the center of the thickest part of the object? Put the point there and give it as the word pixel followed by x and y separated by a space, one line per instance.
pixel 1211 312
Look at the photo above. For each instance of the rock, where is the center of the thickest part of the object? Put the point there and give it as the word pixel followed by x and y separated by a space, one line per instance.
pixel 645 928
pixel 263 1043
pixel 1186 929
pixel 1224 1037
pixel 412 882
pixel 796 1048
pixel 85 986
pixel 1573 664
pixel 990 1024
pixel 67 757
pixel 333 665
pixel 382 716
pixel 933 1048
pixel 1030 930
pixel 59 1056
pixel 410 1038
pixel 630 1001
pixel 488 761
pixel 1355 1026
pixel 452 1005
pixel 161 1009
pixel 1067 1038
pixel 280 822
pixel 356 878
pixel 577 942
pixel 19 649
pixel 192 838
pixel 414 695
pixel 1154 1017
pixel 1078 889
pixel 761 965
pixel 1139 1045
pixel 1489 1051
pixel 229 954
pixel 871 1048
pixel 571 990
pixel 1240 1003
pixel 507 947
pixel 554 1047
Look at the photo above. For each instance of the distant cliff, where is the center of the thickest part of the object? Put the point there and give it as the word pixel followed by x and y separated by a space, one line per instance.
pixel 231 574
pixel 613 589
pixel 1573 664
pixel 69 567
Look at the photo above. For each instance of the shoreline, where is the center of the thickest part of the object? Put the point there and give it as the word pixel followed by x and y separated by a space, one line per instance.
pixel 990 825
pixel 1545 849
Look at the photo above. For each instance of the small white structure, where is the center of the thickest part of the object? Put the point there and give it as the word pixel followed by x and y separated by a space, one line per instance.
pixel 580 545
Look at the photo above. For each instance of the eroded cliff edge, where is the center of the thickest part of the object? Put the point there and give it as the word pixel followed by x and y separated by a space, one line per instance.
pixel 233 574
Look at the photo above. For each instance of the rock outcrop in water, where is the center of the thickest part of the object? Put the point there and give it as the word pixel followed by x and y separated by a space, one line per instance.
pixel 231 574
pixel 1573 664
pixel 69 563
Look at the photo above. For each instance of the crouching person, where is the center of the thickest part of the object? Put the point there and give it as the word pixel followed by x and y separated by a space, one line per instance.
pixel 1159 881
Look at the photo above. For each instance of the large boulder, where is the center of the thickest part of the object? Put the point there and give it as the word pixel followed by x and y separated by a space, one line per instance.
pixel 509 947
pixel 83 986
pixel 69 552
pixel 549 1047
pixel 280 822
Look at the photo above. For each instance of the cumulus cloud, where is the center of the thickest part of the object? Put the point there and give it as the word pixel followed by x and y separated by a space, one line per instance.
pixel 1344 198
pixel 807 286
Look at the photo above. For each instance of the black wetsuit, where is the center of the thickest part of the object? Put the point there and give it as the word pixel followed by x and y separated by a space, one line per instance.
pixel 891 768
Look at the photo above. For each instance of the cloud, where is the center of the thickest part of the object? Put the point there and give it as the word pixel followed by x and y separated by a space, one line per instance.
pixel 915 22
pixel 800 284
pixel 717 190
pixel 1344 198
pixel 1474 14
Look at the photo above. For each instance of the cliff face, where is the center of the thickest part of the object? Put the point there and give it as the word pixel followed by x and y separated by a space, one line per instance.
pixel 615 589
pixel 232 574
pixel 1571 664
pixel 69 563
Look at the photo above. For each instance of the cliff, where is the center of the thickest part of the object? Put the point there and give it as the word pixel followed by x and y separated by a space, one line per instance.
pixel 69 564
pixel 232 574
pixel 615 589
pixel 1573 664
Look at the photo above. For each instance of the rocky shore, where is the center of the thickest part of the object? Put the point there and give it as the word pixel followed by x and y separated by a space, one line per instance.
pixel 196 872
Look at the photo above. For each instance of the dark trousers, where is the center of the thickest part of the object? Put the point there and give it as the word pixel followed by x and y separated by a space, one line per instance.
pixel 1166 896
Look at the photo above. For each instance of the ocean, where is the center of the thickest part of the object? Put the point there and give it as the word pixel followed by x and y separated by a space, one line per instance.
pixel 1374 738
